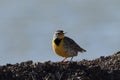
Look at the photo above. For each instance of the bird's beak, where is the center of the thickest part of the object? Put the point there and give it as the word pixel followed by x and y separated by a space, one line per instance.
pixel 65 32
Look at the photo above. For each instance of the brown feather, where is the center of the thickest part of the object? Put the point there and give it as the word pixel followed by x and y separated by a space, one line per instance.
pixel 71 44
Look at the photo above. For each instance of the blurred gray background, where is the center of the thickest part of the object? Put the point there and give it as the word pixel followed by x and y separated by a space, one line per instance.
pixel 27 28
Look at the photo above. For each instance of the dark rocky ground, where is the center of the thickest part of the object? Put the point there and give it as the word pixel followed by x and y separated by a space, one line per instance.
pixel 103 68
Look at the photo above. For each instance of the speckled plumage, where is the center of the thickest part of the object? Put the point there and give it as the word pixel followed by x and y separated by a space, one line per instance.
pixel 72 47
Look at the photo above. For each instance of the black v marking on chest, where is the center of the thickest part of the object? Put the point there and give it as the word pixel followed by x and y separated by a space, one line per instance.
pixel 57 41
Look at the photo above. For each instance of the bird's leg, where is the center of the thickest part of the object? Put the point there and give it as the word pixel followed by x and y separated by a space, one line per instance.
pixel 64 59
pixel 71 59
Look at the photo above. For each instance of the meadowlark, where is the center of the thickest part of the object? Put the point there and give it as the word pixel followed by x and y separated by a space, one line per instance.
pixel 65 46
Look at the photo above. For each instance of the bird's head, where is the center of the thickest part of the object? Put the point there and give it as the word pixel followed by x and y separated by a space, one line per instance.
pixel 59 34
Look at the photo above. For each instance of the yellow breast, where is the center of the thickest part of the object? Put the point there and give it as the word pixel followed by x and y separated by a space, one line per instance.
pixel 59 49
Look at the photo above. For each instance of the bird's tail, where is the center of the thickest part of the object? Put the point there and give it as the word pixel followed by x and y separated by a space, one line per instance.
pixel 82 50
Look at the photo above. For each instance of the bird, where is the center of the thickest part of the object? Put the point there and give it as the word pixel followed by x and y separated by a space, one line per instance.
pixel 65 46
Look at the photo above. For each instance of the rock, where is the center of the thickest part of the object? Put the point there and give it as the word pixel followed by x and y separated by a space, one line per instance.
pixel 103 68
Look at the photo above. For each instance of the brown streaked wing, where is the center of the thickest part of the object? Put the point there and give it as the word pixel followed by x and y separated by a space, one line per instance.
pixel 71 44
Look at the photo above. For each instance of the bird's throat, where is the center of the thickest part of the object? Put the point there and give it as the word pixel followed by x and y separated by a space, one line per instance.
pixel 57 41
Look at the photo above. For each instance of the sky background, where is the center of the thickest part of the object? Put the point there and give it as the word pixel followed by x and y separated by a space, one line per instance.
pixel 27 28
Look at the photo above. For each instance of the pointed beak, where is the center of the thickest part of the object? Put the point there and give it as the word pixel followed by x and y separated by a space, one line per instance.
pixel 65 32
